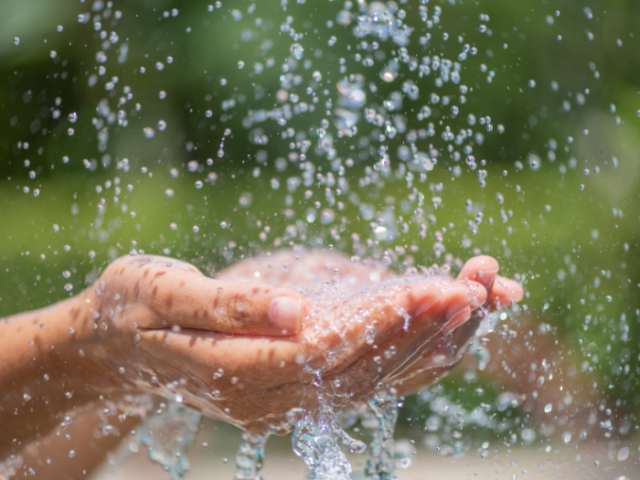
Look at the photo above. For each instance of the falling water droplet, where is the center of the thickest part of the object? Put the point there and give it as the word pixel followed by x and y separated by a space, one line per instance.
pixel 388 74
pixel 149 132
pixel 296 51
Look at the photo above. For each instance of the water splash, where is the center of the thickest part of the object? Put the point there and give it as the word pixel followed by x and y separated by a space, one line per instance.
pixel 315 440
pixel 168 436
pixel 250 457
pixel 9 467
pixel 381 419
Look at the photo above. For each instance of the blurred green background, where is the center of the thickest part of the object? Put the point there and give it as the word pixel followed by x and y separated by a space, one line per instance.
pixel 560 207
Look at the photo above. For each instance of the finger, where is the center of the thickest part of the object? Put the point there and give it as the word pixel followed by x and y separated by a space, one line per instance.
pixel 357 325
pixel 190 300
pixel 221 361
pixel 393 354
pixel 445 349
pixel 482 269
pixel 454 311
pixel 504 293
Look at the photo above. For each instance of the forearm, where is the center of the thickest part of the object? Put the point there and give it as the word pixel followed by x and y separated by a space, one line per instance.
pixel 86 438
pixel 40 375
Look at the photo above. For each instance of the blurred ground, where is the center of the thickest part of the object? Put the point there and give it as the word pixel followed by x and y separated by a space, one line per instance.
pixel 216 461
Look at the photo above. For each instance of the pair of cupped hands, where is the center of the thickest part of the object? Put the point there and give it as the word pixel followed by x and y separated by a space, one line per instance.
pixel 248 345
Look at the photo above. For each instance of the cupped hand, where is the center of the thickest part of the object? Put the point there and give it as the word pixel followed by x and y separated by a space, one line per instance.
pixel 419 363
pixel 218 345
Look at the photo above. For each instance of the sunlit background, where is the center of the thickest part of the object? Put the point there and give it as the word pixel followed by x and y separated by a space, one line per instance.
pixel 153 126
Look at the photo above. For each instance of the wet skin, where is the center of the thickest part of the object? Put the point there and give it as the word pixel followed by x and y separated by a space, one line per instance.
pixel 236 347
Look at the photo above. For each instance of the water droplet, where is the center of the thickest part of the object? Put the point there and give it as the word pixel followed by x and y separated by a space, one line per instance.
pixel 212 177
pixel 388 74
pixel 73 117
pixel 149 132
pixel 173 226
pixel 623 454
pixel 168 193
pixel 199 184
pixel 327 216
pixel 68 287
pixel 16 41
pixel 162 125
pixel 193 165
pixel 296 51
pixel 532 83
pixel 548 408
pixel 245 199
pixel 53 54
pixel 72 453
pixel 534 162
pixel 162 94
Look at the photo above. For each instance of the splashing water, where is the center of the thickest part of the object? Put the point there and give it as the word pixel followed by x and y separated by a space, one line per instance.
pixel 250 457
pixel 368 110
pixel 168 434
pixel 315 440
pixel 381 420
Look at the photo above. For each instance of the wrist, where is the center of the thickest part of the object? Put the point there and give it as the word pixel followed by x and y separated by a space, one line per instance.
pixel 40 378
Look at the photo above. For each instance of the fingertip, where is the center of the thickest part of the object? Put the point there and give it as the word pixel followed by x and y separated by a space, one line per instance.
pixel 482 269
pixel 512 289
pixel 286 313
pixel 505 292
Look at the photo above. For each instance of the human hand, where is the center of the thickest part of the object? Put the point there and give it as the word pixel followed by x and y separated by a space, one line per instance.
pixel 433 360
pixel 158 333
pixel 420 366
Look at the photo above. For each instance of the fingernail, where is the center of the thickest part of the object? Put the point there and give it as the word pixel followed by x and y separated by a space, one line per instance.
pixel 284 313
